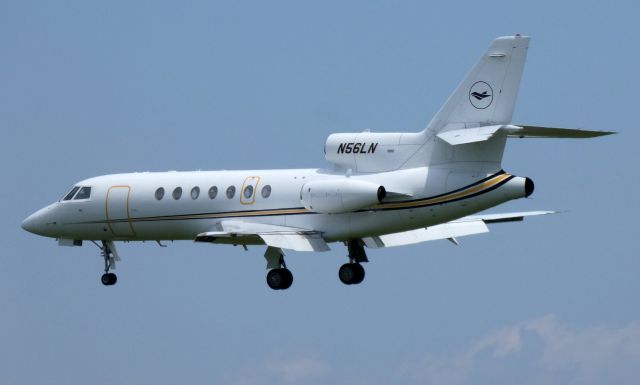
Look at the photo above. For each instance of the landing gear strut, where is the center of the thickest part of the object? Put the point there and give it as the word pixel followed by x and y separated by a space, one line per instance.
pixel 352 273
pixel 110 256
pixel 279 277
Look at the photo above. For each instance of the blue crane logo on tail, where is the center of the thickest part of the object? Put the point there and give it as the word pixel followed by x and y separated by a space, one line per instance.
pixel 481 95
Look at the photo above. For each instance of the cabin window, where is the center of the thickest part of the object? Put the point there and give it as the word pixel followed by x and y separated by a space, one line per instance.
pixel 213 192
pixel 177 193
pixel 248 192
pixel 71 193
pixel 231 191
pixel 266 191
pixel 195 192
pixel 160 193
pixel 84 193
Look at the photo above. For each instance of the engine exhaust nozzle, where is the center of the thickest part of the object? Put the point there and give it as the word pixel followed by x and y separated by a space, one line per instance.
pixel 529 187
pixel 518 187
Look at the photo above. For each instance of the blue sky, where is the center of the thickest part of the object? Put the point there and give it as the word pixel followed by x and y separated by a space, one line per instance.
pixel 90 88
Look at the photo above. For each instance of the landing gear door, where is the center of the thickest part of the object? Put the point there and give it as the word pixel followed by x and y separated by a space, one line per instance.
pixel 248 191
pixel 117 211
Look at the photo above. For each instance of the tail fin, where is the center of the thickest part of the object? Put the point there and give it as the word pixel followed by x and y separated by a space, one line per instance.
pixel 488 94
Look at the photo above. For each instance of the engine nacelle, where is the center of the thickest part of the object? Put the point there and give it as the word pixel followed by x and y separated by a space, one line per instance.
pixel 340 195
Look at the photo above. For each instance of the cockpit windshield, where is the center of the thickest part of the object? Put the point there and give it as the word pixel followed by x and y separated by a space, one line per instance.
pixel 78 192
pixel 84 193
pixel 73 192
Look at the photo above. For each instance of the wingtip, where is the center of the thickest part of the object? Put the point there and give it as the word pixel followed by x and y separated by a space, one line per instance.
pixel 604 133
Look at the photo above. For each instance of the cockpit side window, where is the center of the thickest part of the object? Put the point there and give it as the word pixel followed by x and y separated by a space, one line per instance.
pixel 84 193
pixel 73 192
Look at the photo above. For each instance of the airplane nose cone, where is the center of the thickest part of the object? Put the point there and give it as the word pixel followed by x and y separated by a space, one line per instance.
pixel 36 223
pixel 30 224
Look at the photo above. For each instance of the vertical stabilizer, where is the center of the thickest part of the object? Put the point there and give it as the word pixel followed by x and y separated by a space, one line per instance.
pixel 488 94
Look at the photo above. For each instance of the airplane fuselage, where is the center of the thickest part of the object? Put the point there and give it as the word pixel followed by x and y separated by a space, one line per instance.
pixel 129 206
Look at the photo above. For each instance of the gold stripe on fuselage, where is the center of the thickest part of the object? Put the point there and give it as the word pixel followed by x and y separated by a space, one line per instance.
pixel 451 196
pixel 456 195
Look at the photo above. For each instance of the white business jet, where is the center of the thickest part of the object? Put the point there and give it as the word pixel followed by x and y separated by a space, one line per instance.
pixel 381 189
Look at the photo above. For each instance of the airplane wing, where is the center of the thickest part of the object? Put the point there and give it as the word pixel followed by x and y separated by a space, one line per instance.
pixel 475 224
pixel 252 233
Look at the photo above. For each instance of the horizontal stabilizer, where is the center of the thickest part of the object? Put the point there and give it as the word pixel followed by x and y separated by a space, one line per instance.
pixel 552 132
pixel 481 134
pixel 476 224
pixel 469 135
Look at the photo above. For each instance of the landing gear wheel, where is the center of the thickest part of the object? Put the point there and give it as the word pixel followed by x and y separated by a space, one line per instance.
pixel 351 273
pixel 109 279
pixel 359 273
pixel 279 279
pixel 288 279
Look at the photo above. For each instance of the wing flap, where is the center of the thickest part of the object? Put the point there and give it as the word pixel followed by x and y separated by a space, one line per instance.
pixel 443 231
pixel 475 224
pixel 298 242
pixel 505 217
pixel 251 233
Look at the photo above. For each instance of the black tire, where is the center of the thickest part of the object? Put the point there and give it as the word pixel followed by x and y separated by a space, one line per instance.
pixel 279 279
pixel 288 279
pixel 108 279
pixel 346 273
pixel 359 276
pixel 351 273
pixel 275 279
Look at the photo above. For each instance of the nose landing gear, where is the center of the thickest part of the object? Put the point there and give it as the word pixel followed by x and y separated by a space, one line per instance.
pixel 109 279
pixel 110 256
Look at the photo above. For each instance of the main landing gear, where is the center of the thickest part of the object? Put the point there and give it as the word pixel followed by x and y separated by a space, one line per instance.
pixel 110 256
pixel 352 273
pixel 279 277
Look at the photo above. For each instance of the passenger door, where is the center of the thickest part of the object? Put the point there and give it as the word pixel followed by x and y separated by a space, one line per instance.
pixel 117 211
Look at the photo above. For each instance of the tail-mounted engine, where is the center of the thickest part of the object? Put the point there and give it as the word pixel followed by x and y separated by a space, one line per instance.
pixel 340 195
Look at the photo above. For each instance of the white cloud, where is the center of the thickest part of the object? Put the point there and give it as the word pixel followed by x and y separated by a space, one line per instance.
pixel 539 351
pixel 282 370
pixel 298 370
